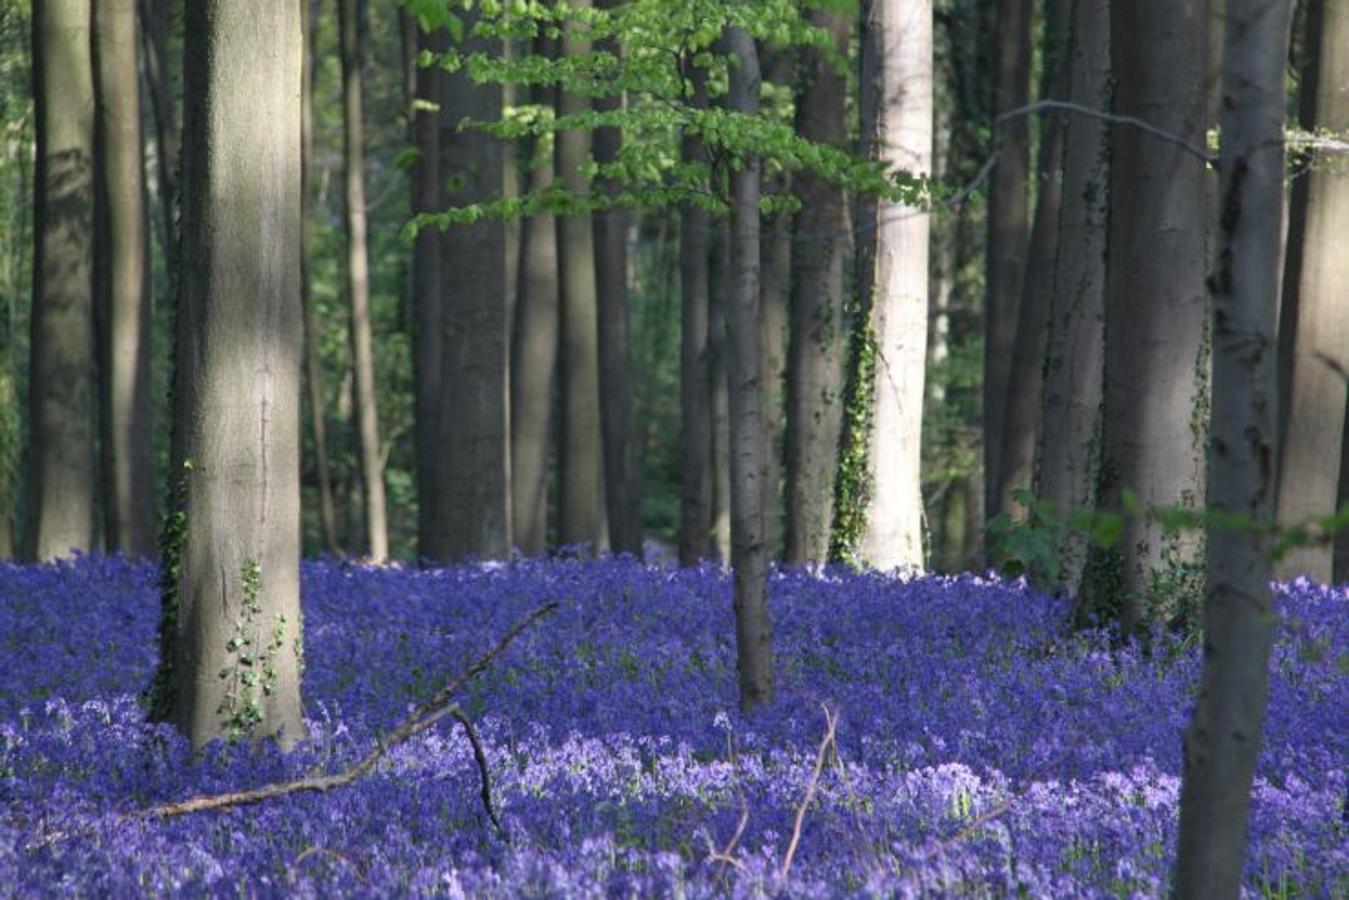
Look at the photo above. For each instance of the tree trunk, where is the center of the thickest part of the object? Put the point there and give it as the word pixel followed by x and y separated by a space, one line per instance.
pixel 428 195
pixel 1067 445
pixel 1341 561
pixel 753 627
pixel 122 286
pixel 622 472
pixel 897 86
pixel 61 401
pixel 233 611
pixel 155 17
pixel 534 347
pixel 358 285
pixel 1155 417
pixel 695 371
pixel 312 372
pixel 1005 258
pixel 581 502
pixel 1025 382
pixel 719 287
pixel 473 491
pixel 819 334
pixel 1314 326
pixel 1223 739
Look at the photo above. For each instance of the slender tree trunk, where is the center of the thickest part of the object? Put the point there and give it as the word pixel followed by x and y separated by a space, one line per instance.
pixel 61 401
pixel 376 522
pixel 695 373
pixel 749 560
pixel 122 290
pixel 1155 421
pixel 312 372
pixel 237 592
pixel 819 333
pixel 719 286
pixel 1005 258
pixel 1314 326
pixel 1223 739
pixel 581 501
pixel 897 83
pixel 473 491
pixel 1070 422
pixel 622 472
pixel 534 348
pixel 1341 561
pixel 155 17
pixel 1022 401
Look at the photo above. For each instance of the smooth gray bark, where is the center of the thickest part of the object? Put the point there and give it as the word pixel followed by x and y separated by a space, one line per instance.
pixel 238 376
pixel 61 400
pixel 122 286
pixel 819 334
pixel 1314 316
pixel 1223 739
pixel 719 286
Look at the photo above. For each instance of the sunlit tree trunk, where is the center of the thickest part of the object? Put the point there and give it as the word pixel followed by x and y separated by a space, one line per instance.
pixel 719 286
pixel 753 627
pixel 893 273
pixel 1008 226
pixel 581 502
pixel 61 400
pixel 122 286
pixel 819 334
pixel 375 516
pixel 1223 739
pixel 1314 326
pixel 236 597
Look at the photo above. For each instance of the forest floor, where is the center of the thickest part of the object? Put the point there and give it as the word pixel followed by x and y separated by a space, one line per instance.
pixel 979 750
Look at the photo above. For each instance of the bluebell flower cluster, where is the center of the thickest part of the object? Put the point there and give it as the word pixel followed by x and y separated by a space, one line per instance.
pixel 981 748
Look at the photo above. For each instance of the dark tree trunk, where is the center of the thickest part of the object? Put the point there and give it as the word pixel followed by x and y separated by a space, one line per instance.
pixel 155 18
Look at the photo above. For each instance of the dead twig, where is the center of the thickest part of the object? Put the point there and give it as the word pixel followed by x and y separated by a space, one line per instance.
pixel 723 855
pixel 481 759
pixel 424 717
pixel 830 728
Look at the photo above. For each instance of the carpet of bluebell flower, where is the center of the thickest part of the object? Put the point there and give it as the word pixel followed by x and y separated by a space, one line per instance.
pixel 979 751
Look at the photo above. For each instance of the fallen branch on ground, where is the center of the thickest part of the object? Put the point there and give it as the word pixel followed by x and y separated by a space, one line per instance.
pixel 830 728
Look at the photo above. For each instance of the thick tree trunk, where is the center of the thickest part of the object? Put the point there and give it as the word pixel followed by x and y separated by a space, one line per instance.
pixel 1071 418
pixel 622 472
pixel 897 84
pixel 473 492
pixel 1022 401
pixel 1314 326
pixel 1223 739
pixel 695 371
pixel 1155 418
pixel 1008 224
pixel 233 612
pixel 375 518
pixel 122 288
pixel 313 380
pixel 581 503
pixel 61 402
pixel 753 627
pixel 428 195
pixel 534 349
pixel 155 17
pixel 719 287
pixel 819 334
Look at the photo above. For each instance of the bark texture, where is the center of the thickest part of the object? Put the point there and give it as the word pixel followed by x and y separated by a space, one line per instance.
pixel 374 514
pixel 61 401
pixel 893 273
pixel 473 473
pixel 1155 418
pixel 1314 316
pixel 122 287
pixel 1223 739
pixel 819 335
pixel 581 502
pixel 237 594
pixel 753 627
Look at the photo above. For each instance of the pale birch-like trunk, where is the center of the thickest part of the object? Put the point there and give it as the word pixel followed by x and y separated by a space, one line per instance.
pixel 1314 326
pixel 1223 738
pixel 122 286
pixel 897 79
pixel 817 359
pixel 238 378
pixel 62 460
pixel 719 286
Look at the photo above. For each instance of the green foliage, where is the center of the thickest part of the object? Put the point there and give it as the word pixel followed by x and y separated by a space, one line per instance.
pixel 172 538
pixel 251 674
pixel 853 488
